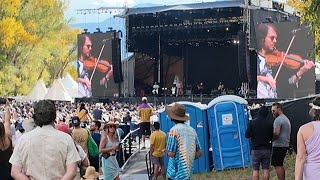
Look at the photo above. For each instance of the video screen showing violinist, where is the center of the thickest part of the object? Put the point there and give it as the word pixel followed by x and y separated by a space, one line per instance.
pixel 285 68
pixel 94 64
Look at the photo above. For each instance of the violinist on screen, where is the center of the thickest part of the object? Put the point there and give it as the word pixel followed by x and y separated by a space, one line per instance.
pixel 269 57
pixel 90 69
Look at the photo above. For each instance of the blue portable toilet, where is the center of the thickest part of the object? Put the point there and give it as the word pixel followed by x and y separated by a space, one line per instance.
pixel 228 118
pixel 198 121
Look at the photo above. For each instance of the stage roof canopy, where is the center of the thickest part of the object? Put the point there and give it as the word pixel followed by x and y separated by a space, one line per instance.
pixel 196 6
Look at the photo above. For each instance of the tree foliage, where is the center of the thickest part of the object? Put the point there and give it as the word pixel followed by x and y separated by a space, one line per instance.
pixel 35 41
pixel 310 13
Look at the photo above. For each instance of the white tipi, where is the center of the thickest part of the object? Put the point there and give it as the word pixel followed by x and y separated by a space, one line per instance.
pixel 38 91
pixel 70 85
pixel 57 92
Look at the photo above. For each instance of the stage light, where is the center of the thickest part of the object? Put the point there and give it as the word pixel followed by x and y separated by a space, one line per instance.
pixel 85 31
pixel 227 28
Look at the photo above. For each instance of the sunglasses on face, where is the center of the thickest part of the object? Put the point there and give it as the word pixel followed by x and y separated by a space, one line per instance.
pixel 112 126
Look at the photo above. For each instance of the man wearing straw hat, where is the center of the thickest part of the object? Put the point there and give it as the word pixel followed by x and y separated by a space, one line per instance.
pixel 182 144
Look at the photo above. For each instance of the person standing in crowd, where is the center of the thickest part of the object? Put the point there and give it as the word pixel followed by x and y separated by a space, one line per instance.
pixel 79 135
pixel 281 139
pixel 108 146
pixel 182 144
pixel 44 153
pixel 260 131
pixel 127 118
pixel 84 162
pixel 95 134
pixel 97 112
pixel 83 113
pixel 6 147
pixel 267 39
pixel 145 112
pixel 62 126
pixel 157 148
pixel 308 149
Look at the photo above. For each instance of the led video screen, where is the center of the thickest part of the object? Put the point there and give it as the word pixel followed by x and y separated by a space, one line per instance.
pixel 285 60
pixel 95 65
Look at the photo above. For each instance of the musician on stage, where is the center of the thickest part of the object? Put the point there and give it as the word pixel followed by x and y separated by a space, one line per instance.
pixel 89 83
pixel 266 75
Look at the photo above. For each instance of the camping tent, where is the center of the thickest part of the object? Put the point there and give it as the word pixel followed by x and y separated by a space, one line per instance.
pixel 70 85
pixel 57 92
pixel 38 91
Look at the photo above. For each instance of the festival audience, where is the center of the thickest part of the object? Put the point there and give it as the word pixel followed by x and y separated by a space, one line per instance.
pixel 260 132
pixel 158 141
pixel 44 153
pixel 108 146
pixel 6 148
pixel 308 149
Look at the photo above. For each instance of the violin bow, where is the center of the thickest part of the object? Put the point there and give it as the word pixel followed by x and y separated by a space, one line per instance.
pixel 95 66
pixel 285 56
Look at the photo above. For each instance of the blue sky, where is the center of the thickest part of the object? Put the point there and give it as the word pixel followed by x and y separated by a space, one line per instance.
pixel 91 4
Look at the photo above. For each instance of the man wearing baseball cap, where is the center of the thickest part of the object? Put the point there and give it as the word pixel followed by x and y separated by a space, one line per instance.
pixel 79 135
pixel 182 144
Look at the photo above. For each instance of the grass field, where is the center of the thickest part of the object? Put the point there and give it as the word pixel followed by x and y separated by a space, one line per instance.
pixel 245 174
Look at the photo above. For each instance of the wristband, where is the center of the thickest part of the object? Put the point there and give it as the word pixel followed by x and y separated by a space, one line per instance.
pixel 298 76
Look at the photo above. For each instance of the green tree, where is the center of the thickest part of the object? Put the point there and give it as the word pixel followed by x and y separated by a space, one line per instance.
pixel 310 14
pixel 35 41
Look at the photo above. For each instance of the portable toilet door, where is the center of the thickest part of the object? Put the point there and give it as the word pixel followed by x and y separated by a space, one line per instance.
pixel 198 121
pixel 228 119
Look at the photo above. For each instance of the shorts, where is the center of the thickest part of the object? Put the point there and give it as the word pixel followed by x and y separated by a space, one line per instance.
pixel 157 160
pixel 145 128
pixel 278 155
pixel 260 157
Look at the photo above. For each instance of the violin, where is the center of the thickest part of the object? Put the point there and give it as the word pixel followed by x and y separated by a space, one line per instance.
pixel 102 66
pixel 292 61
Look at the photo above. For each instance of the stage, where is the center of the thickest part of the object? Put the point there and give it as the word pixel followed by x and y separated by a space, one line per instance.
pixel 211 43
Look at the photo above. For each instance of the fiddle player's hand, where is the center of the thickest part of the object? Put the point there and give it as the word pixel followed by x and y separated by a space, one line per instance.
pixel 88 84
pixel 103 81
pixel 307 65
pixel 272 83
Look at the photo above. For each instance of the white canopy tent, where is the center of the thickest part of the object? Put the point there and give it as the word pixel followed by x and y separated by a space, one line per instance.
pixel 57 92
pixel 38 91
pixel 70 85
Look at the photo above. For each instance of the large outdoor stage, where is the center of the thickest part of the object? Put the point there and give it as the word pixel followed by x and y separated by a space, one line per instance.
pixel 211 43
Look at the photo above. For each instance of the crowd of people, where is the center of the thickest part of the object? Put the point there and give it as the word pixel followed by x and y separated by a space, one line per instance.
pixel 270 143
pixel 62 140
pixel 54 140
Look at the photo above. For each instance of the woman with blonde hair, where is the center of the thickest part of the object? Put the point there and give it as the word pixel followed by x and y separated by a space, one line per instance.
pixel 6 147
pixel 109 144
pixel 308 149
